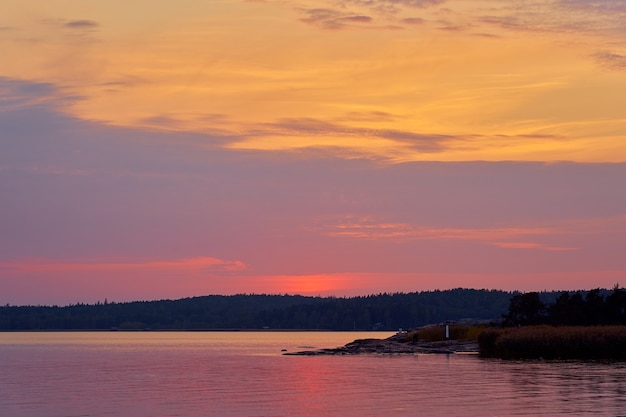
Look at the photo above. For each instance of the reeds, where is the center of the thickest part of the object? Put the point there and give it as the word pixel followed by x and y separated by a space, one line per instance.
pixel 547 342
pixel 438 333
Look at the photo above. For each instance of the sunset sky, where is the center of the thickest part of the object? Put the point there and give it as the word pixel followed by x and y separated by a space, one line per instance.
pixel 166 149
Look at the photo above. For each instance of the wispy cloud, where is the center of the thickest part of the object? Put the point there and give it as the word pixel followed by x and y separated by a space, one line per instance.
pixel 369 116
pixel 349 132
pixel 81 24
pixel 401 3
pixel 364 13
pixel 333 19
pixel 611 60
pixel 297 127
pixel 592 17
pixel 602 6
pixel 413 21
pixel 214 123
pixel 371 228
pixel 15 94
pixel 199 264
pixel 553 16
pixel 531 245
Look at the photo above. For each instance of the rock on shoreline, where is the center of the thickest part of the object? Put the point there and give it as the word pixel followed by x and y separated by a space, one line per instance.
pixel 394 346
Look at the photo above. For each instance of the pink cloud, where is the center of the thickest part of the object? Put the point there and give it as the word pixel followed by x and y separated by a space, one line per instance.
pixel 370 228
pixel 199 264
pixel 531 245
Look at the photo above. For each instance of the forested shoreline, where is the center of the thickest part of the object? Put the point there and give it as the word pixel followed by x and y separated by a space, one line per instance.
pixel 595 307
pixel 297 312
pixel 254 311
pixel 576 325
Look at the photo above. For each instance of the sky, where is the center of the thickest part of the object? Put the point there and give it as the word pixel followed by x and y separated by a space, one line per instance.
pixel 160 150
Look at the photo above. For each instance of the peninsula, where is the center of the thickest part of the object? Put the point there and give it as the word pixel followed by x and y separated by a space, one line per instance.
pixel 401 343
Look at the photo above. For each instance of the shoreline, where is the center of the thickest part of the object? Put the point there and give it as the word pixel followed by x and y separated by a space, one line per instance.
pixel 392 346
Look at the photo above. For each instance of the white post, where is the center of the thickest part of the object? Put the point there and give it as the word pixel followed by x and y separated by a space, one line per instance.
pixel 447 332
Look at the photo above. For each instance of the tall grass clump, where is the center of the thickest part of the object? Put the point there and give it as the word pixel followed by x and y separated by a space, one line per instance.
pixel 547 342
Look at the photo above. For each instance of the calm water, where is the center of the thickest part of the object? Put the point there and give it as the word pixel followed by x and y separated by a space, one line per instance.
pixel 162 374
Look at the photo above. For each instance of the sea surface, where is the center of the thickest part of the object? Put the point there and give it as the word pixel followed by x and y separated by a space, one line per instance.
pixel 166 374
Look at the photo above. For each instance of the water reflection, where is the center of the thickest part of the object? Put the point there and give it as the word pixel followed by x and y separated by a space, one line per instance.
pixel 572 388
pixel 241 374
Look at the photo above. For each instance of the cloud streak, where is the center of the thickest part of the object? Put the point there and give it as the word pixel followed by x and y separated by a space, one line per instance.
pixel 204 264
pixel 562 16
pixel 81 24
pixel 507 238
pixel 554 16
pixel 347 134
pixel 364 228
pixel 611 60
pixel 16 94
pixel 394 5
pixel 330 19
pixel 531 245
pixel 339 17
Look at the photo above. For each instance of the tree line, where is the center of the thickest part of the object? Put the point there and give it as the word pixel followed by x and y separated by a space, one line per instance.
pixel 258 311
pixel 591 308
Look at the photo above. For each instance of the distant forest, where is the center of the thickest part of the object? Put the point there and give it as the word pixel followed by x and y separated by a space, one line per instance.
pixel 374 312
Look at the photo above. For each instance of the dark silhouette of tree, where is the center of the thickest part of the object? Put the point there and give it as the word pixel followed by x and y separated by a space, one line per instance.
pixel 525 309
pixel 596 307
pixel 559 310
pixel 616 306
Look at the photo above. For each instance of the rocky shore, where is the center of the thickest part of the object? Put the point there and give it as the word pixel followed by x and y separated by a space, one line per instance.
pixel 395 345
